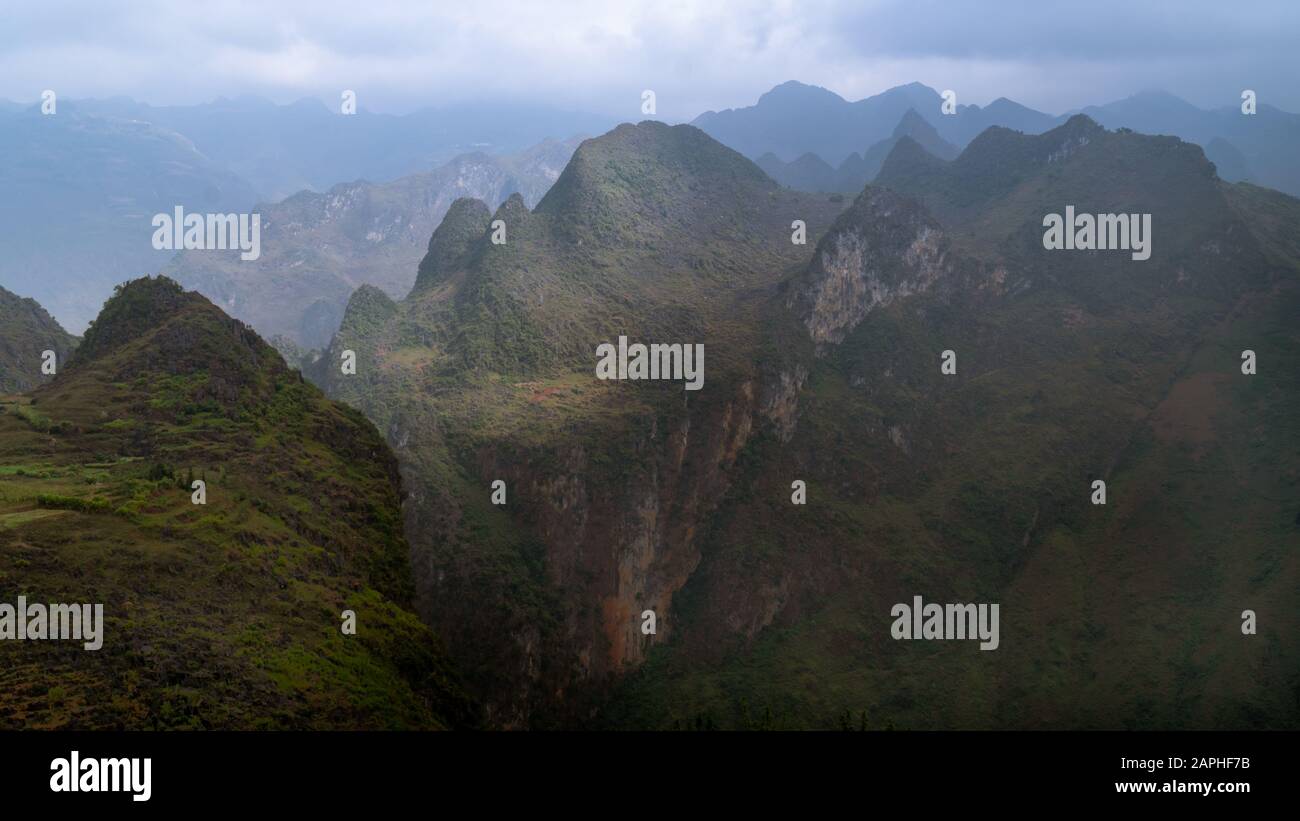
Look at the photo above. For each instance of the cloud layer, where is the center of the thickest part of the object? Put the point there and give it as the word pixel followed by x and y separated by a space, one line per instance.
pixel 599 56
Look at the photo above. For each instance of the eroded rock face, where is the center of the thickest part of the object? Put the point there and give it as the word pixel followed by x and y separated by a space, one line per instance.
pixel 610 547
pixel 632 545
pixel 884 248
pixel 779 403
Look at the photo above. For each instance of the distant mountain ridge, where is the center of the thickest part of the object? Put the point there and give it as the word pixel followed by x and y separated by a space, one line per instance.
pixel 794 120
pixel 81 185
pixel 810 173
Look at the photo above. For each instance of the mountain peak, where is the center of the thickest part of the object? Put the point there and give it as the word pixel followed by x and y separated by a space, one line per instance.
pixel 648 173
pixel 466 222
pixel 907 159
pixel 152 329
pixel 918 128
pixel 135 308
pixel 368 306
pixel 1079 125
pixel 795 91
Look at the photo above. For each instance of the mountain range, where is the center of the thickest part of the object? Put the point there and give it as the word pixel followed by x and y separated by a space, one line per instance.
pixel 904 392
pixel 82 184
pixel 794 119
pixel 811 173
pixel 86 181
pixel 823 367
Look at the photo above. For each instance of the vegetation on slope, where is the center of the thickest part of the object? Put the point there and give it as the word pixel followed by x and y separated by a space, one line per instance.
pixel 222 615
pixel 26 332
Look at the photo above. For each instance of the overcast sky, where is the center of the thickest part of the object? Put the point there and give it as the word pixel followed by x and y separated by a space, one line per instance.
pixel 399 55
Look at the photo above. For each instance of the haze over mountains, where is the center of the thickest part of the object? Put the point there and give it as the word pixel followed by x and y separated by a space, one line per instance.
pixel 308 145
pixel 794 119
pixel 811 173
pixel 320 247
pixel 83 184
pixel 79 192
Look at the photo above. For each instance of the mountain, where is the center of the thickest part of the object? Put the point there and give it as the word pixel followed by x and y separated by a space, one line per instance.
pixel 487 371
pixel 452 243
pixel 794 119
pixel 316 249
pixel 226 615
pixel 1229 163
pixel 809 173
pixel 823 367
pixel 1265 140
pixel 80 195
pixel 26 332
pixel 974 487
pixel 912 125
pixel 789 121
pixel 970 120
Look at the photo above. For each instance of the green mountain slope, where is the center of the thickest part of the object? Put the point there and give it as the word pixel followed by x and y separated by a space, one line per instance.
pixel 221 615
pixel 26 332
pixel 976 487
pixel 487 372
pixel 823 366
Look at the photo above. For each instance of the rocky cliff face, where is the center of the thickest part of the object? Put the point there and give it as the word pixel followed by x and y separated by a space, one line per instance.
pixel 974 484
pixel 486 372
pixel 602 531
pixel 884 248
pixel 623 497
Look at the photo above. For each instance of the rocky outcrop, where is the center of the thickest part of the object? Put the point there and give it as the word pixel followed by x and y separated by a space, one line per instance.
pixel 884 248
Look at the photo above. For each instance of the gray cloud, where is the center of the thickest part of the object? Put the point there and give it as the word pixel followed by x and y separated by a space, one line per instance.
pixel 599 56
